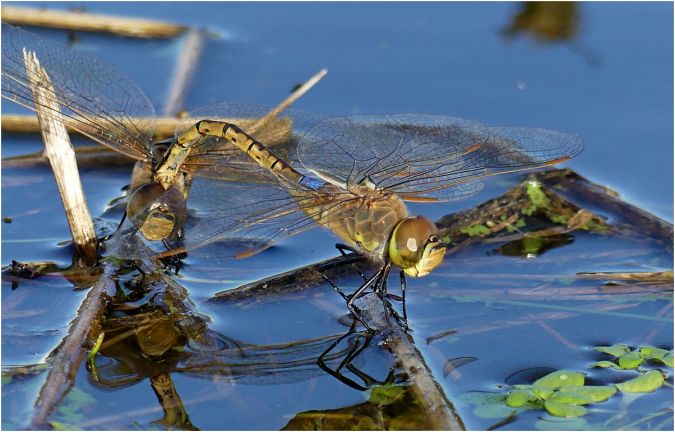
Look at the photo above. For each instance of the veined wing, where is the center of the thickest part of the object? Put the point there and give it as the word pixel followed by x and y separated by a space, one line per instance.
pixel 423 157
pixel 216 158
pixel 251 216
pixel 95 98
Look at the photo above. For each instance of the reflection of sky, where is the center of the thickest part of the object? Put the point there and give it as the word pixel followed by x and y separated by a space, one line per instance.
pixel 444 59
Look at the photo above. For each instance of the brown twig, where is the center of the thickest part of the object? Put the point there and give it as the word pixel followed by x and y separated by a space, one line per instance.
pixel 164 126
pixel 439 411
pixel 186 66
pixel 132 27
pixel 94 156
pixel 295 95
pixel 59 152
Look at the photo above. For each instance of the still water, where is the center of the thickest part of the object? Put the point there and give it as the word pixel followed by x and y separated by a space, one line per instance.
pixel 612 85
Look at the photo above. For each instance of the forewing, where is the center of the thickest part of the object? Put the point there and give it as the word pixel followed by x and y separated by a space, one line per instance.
pixel 424 157
pixel 248 217
pixel 95 98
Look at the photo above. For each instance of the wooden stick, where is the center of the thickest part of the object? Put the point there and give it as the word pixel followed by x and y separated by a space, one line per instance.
pixel 131 27
pixel 186 66
pixel 71 352
pixel 439 411
pixel 59 152
pixel 297 94
pixel 165 126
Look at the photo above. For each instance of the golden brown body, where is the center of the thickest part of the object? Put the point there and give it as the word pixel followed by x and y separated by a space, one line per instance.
pixel 369 224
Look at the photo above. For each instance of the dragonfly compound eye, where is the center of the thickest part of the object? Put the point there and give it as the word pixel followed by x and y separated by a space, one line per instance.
pixel 415 247
pixel 157 212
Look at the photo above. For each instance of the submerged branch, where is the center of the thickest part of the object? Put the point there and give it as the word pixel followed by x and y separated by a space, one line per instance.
pixel 438 410
pixel 84 329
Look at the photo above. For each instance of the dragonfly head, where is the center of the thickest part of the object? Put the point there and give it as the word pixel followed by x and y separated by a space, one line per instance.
pixel 415 246
pixel 155 211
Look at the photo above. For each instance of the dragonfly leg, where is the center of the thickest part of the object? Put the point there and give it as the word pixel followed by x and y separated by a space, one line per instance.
pixel 341 247
pixel 337 288
pixel 350 303
pixel 403 288
pixel 381 286
pixel 174 261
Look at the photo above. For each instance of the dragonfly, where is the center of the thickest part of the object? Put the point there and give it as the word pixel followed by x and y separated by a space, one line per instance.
pixel 354 175
pixel 100 102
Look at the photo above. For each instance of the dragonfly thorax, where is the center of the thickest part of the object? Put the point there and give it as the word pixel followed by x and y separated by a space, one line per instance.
pixel 415 246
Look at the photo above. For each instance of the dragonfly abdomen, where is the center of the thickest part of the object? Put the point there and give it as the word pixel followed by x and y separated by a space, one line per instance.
pixel 256 150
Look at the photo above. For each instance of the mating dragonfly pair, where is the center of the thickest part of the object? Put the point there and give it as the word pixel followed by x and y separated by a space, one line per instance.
pixel 351 175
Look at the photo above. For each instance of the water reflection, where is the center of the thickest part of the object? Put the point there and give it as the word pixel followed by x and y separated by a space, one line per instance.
pixel 545 21
pixel 549 23
pixel 151 332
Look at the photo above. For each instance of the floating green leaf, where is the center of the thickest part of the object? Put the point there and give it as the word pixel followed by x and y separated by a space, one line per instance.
pixel 564 410
pixel 617 350
pixel 652 353
pixel 542 392
pixel 559 379
pixel 645 383
pixel 488 405
pixel 668 359
pixel 519 397
pixel 592 393
pixel 605 364
pixel 572 398
pixel 630 360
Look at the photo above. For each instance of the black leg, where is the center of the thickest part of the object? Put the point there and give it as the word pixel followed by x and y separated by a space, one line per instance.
pixel 350 303
pixel 337 288
pixel 174 260
pixel 341 247
pixel 403 288
pixel 381 287
pixel 119 226
pixel 336 373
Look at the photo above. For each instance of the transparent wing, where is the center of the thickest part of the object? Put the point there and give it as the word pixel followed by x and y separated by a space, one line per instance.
pixel 95 98
pixel 216 158
pixel 251 216
pixel 423 157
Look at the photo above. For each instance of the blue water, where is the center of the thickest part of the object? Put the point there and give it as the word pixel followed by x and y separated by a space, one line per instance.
pixel 437 58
